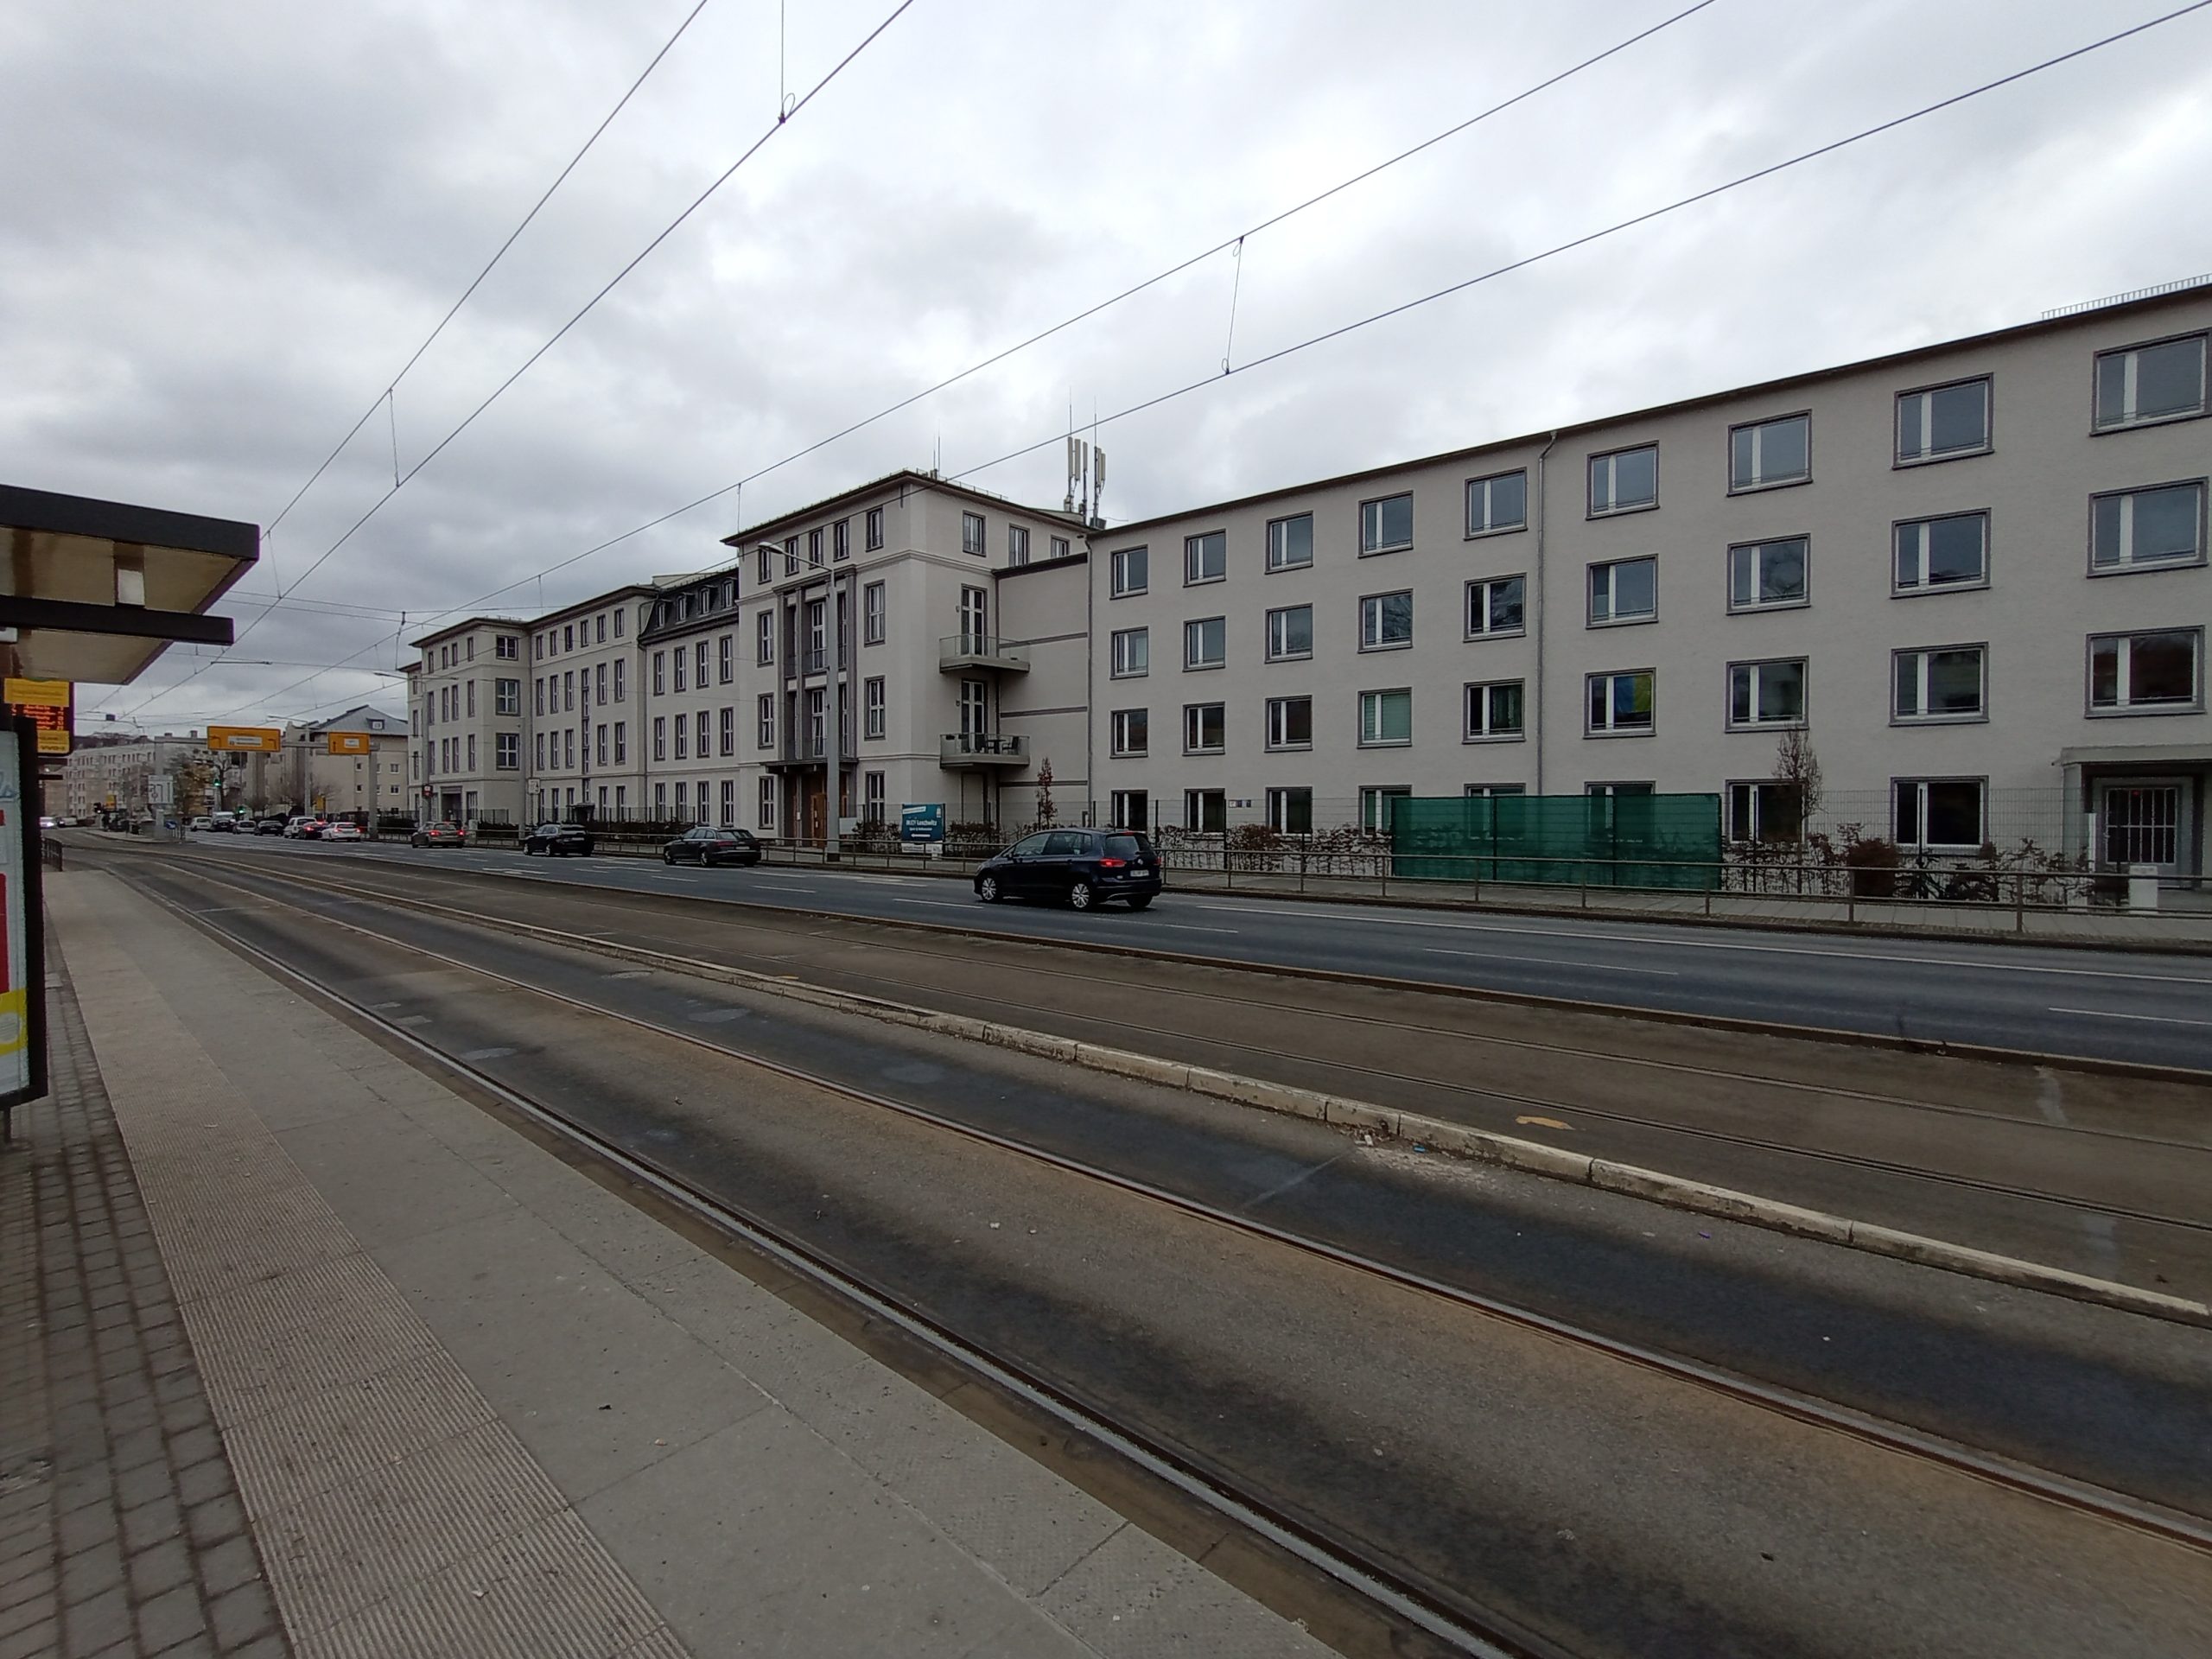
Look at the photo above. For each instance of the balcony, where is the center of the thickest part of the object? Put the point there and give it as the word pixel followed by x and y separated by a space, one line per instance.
pixel 983 749
pixel 958 652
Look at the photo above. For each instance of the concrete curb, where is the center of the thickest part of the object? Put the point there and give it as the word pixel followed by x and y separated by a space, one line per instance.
pixel 1508 1152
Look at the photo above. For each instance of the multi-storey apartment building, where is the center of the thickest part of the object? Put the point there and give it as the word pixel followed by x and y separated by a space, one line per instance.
pixel 103 773
pixel 586 709
pixel 1972 576
pixel 466 724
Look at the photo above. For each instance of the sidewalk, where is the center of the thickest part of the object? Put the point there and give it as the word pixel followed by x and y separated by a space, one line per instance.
pixel 476 1403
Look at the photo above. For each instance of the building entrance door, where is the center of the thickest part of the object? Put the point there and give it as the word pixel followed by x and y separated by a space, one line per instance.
pixel 817 796
pixel 2145 821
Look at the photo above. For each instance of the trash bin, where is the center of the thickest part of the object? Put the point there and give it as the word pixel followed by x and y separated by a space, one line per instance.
pixel 2142 887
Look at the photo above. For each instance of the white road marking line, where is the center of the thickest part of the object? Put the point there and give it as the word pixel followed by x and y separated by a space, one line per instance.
pixel 1554 962
pixel 940 904
pixel 1649 943
pixel 2153 1018
pixel 1185 927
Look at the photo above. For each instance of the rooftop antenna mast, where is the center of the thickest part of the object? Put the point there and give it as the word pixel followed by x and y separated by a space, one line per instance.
pixel 1097 516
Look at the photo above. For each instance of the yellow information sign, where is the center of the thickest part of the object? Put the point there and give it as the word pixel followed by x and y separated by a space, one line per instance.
pixel 38 694
pixel 232 740
pixel 347 742
pixel 50 705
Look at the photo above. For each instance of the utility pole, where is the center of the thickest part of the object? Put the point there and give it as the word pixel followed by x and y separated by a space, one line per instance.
pixel 835 722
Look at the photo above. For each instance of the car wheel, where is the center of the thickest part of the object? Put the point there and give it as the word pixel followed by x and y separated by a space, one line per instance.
pixel 1141 901
pixel 1080 895
pixel 668 858
pixel 987 889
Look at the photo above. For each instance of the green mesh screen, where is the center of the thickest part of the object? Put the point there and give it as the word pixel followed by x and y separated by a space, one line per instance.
pixel 1598 840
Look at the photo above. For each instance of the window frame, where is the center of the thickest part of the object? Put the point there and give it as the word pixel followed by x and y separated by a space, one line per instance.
pixel 1277 800
pixel 1483 584
pixel 2203 339
pixel 1753 665
pixel 975 535
pixel 1193 726
pixel 1591 509
pixel 2130 711
pixel 1761 486
pixel 1379 613
pixel 1613 619
pixel 1610 730
pixel 1988 445
pixel 1804 599
pixel 1017 545
pixel 2132 566
pixel 1367 742
pixel 875 613
pixel 873 529
pixel 1371 549
pixel 1116 667
pixel 1924 588
pixel 1920 782
pixel 1193 575
pixel 1194 666
pixel 1478 690
pixel 1467 501
pixel 1270 564
pixel 1753 833
pixel 1117 566
pixel 1275 656
pixel 1116 729
pixel 1979 716
pixel 1276 744
pixel 876 708
pixel 764 720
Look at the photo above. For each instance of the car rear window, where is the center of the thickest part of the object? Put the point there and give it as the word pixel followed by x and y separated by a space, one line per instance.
pixel 1128 846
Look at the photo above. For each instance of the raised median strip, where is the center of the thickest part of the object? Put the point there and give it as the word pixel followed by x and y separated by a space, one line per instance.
pixel 1510 1152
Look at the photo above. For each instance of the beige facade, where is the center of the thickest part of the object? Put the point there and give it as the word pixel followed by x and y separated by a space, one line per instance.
pixel 98 776
pixel 468 724
pixel 586 707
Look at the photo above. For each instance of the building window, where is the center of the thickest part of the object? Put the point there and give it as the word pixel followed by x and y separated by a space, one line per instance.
pixel 1627 481
pixel 1386 718
pixel 1131 653
pixel 871 707
pixel 1290 543
pixel 971 534
pixel 618 634
pixel 1131 810
pixel 726 732
pixel 1290 723
pixel 568 638
pixel 1771 812
pixel 1132 731
pixel 1766 694
pixel 1386 621
pixel 763 643
pixel 537 751
pixel 790 555
pixel 1495 607
pixel 1934 554
pixel 1767 576
pixel 872 797
pixel 1622 704
pixel 1204 727
pixel 1205 558
pixel 1386 525
pixel 472 751
pixel 1205 810
pixel 875 528
pixel 766 575
pixel 538 695
pixel 764 718
pixel 679 658
pixel 841 539
pixel 508 697
pixel 1290 812
pixel 621 742
pixel 471 700
pixel 767 814
pixel 683 800
pixel 1937 685
pixel 1378 806
pixel 683 727
pixel 729 802
pixel 1290 633
pixel 2133 530
pixel 660 673
pixel 660 737
pixel 1061 549
pixel 814 548
pixel 2142 384
pixel 1936 814
pixel 1130 567
pixel 600 743
pixel 871 613
pixel 1017 544
pixel 1943 421
pixel 1627 590
pixel 2159 672
pixel 1497 504
pixel 726 663
pixel 1494 711
pixel 1766 453
pixel 1206 643
pixel 1491 791
pixel 507 647
pixel 506 754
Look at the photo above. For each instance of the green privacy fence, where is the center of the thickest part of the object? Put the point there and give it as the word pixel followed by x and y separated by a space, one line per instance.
pixel 1597 841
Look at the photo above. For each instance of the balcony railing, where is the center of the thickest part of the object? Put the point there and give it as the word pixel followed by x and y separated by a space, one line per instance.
pixel 959 651
pixel 983 749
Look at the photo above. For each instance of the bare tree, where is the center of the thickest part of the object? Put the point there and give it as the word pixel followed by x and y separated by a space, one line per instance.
pixel 1796 763
pixel 1045 809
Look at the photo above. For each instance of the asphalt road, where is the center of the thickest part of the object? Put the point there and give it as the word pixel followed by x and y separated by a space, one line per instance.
pixel 1596 1505
pixel 2137 1006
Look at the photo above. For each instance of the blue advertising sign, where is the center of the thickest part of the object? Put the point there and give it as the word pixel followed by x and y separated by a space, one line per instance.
pixel 922 823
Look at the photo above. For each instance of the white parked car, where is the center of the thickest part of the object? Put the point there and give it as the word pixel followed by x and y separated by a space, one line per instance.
pixel 342 831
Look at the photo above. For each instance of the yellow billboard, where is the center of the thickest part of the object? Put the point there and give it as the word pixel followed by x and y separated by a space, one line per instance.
pixel 232 740
pixel 48 705
pixel 38 694
pixel 347 742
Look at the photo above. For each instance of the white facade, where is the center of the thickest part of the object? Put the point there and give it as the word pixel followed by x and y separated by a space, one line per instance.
pixel 467 723
pixel 586 708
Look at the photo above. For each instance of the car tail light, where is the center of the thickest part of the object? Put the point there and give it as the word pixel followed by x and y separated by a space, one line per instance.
pixel 1112 863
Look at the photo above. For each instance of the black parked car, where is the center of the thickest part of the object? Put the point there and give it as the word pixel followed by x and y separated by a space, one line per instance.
pixel 1081 867
pixel 705 846
pixel 274 826
pixel 553 839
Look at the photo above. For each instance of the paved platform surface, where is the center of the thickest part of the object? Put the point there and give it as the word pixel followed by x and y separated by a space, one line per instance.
pixel 477 1404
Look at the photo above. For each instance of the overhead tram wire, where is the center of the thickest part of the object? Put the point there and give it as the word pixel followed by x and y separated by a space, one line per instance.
pixel 1093 310
pixel 783 119
pixel 428 340
pixel 1216 377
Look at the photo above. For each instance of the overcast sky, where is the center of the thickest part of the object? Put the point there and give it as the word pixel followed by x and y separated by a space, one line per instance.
pixel 223 227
